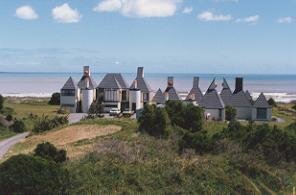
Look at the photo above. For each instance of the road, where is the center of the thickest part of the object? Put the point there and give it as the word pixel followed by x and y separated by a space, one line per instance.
pixel 6 144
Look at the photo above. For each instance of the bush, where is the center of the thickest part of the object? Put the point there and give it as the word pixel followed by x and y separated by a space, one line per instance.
pixel 193 118
pixel 272 102
pixel 1 102
pixel 55 99
pixel 24 174
pixel 154 121
pixel 96 108
pixel 230 113
pixel 199 141
pixel 175 110
pixel 45 123
pixel 294 107
pixel 9 118
pixel 50 152
pixel 18 126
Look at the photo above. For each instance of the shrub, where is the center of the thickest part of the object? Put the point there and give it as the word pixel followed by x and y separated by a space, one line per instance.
pixel 1 102
pixel 199 141
pixel 154 121
pixel 24 174
pixel 272 102
pixel 55 99
pixel 193 118
pixel 50 152
pixel 230 113
pixel 175 110
pixel 45 123
pixel 9 118
pixel 18 126
pixel 96 108
pixel 294 107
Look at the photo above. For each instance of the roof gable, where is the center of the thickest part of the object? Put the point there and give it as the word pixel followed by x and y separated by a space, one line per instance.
pixel 112 81
pixel 142 85
pixel 172 93
pixel 195 94
pixel 70 84
pixel 159 97
pixel 86 82
pixel 212 100
pixel 261 102
pixel 226 93
pixel 240 99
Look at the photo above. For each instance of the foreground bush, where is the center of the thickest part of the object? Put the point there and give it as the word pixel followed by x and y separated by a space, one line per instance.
pixel 23 174
pixel 45 123
pixel 50 152
pixel 230 113
pixel 1 102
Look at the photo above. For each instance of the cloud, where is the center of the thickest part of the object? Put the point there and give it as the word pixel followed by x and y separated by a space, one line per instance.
pixel 208 16
pixel 108 6
pixel 187 10
pixel 139 8
pixel 65 14
pixel 285 20
pixel 249 20
pixel 26 13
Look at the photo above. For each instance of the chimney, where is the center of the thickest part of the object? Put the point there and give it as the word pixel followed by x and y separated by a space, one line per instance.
pixel 195 82
pixel 86 71
pixel 170 81
pixel 238 84
pixel 140 72
pixel 135 84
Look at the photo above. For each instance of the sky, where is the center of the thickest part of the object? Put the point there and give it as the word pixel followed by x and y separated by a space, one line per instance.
pixel 165 36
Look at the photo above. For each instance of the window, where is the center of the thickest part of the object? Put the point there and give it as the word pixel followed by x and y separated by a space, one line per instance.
pixel 68 92
pixel 145 97
pixel 124 96
pixel 261 113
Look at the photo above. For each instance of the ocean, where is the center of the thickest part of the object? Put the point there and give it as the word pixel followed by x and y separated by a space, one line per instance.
pixel 281 87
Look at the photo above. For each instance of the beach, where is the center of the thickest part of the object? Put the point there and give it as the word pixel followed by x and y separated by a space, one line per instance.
pixel 280 87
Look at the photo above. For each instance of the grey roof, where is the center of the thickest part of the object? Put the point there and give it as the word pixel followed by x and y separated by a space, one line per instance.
pixel 113 81
pixel 172 93
pixel 261 102
pixel 212 100
pixel 195 93
pixel 240 99
pixel 87 82
pixel 142 85
pixel 226 93
pixel 70 84
pixel 249 96
pixel 159 97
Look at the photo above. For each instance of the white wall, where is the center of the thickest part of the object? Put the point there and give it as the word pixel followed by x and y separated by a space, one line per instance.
pixel 135 97
pixel 87 98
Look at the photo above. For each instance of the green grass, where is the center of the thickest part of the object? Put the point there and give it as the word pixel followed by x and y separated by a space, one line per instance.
pixel 129 162
pixel 5 133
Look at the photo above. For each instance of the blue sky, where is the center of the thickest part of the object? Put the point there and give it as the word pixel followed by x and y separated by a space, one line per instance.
pixel 168 36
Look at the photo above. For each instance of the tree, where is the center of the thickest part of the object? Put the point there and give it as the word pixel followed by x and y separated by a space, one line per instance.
pixel 272 102
pixel 18 126
pixel 230 113
pixel 96 108
pixel 50 152
pixel 161 123
pixel 55 99
pixel 24 174
pixel 193 118
pixel 146 120
pixel 175 109
pixel 1 102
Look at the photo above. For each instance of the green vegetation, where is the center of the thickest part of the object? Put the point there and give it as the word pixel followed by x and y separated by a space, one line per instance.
pixel 5 133
pixel 46 123
pixel 55 99
pixel 18 126
pixel 50 152
pixel 294 107
pixel 230 113
pixel 1 102
pixel 24 174
pixel 272 102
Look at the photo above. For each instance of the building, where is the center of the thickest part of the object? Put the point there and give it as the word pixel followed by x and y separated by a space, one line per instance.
pixel 195 95
pixel 69 96
pixel 143 86
pixel 113 92
pixel 170 92
pixel 213 104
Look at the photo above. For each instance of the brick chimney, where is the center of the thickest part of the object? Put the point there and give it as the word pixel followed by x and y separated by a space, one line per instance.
pixel 195 82
pixel 140 72
pixel 86 71
pixel 170 81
